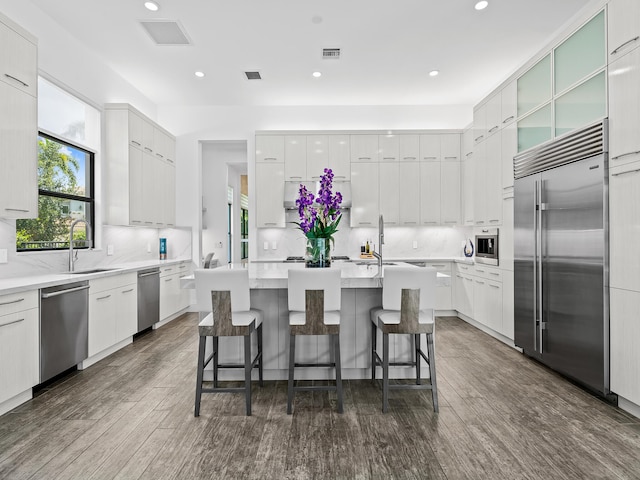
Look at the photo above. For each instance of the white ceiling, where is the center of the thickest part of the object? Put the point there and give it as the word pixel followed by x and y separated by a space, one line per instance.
pixel 388 48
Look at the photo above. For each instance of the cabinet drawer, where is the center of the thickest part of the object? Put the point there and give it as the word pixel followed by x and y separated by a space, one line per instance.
pixel 444 267
pixel 489 273
pixel 111 282
pixel 17 302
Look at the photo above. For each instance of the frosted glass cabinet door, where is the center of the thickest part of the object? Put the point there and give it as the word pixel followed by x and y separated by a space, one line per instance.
pixel 534 129
pixel 581 54
pixel 624 27
pixel 534 87
pixel 582 105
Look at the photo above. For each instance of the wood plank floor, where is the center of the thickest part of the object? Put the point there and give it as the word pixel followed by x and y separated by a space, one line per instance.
pixel 502 415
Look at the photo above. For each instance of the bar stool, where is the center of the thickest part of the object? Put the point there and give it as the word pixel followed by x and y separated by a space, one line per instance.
pixel 314 309
pixel 225 294
pixel 408 299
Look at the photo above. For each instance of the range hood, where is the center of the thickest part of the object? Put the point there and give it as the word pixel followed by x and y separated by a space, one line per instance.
pixel 291 192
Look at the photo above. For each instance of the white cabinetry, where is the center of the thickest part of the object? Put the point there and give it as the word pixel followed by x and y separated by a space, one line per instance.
pixel 339 156
pixel 493 114
pixel 19 345
pixel 479 123
pixel 463 289
pixel 364 148
pixel 623 27
pixel 479 184
pixel 509 103
pixel 113 312
pixel 270 194
pixel 430 193
pixel 389 148
pixel 18 123
pixel 410 191
pixel 409 148
pixel 295 158
pixel 364 179
pixel 173 299
pixel 140 173
pixel 468 177
pixel 450 193
pixel 624 334
pixel 389 191
pixel 443 292
pixel 317 156
pixel 493 179
pixel 270 148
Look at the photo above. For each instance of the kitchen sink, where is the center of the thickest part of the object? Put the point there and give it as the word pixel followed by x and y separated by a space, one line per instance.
pixel 93 270
pixel 372 263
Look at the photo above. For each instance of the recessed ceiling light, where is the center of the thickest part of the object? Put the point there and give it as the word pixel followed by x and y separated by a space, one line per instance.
pixel 199 74
pixel 481 5
pixel 317 74
pixel 153 6
pixel 434 73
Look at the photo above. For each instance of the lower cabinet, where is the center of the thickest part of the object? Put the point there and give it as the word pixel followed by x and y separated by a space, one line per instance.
pixel 173 299
pixel 624 334
pixel 19 348
pixel 113 311
pixel 443 293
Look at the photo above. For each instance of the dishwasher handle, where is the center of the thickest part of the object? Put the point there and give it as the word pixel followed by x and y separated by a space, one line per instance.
pixel 62 292
pixel 140 275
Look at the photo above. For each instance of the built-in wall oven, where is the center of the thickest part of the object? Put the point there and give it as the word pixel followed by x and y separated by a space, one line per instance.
pixel 487 246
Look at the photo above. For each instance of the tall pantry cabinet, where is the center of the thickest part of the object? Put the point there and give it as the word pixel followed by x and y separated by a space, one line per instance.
pixel 18 122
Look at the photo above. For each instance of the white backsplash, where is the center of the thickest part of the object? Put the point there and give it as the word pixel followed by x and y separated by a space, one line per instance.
pixel 398 241
pixel 129 245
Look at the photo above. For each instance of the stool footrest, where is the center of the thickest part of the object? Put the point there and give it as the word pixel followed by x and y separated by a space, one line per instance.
pixel 311 388
pixel 410 386
pixel 315 364
pixel 224 389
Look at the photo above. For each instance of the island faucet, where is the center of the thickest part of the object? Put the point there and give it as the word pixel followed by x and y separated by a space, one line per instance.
pixel 71 253
pixel 378 254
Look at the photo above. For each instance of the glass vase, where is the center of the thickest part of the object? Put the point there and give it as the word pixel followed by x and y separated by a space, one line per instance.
pixel 318 253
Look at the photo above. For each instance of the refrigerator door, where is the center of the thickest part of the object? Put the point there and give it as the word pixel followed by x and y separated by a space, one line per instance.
pixel 572 273
pixel 524 266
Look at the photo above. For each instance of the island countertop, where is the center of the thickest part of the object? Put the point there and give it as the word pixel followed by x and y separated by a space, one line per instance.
pixel 265 275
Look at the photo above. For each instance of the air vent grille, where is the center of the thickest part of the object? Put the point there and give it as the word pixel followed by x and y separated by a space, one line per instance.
pixel 166 32
pixel 253 75
pixel 583 143
pixel 331 53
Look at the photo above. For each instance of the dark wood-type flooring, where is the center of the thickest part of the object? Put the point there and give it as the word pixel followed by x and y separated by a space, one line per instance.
pixel 502 415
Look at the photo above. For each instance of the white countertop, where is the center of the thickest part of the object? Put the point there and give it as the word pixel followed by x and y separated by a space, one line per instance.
pixel 354 274
pixel 32 282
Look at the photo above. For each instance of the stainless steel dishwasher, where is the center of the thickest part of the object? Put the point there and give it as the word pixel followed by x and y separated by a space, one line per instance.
pixel 64 326
pixel 148 298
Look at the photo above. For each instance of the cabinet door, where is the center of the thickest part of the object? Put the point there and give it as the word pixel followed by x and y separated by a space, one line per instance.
pixel 468 189
pixel 493 295
pixel 409 193
pixel 317 157
pixel 467 143
pixel 339 156
pixel 18 154
pixel 509 139
pixel 127 311
pixel 450 147
pixel 509 101
pixel 480 123
pixel 624 108
pixel 409 148
pixel 136 183
pixel 152 195
pixel 430 193
pixel 364 148
pixel 19 352
pixel 18 61
pixel 493 180
pixel 624 218
pixel 450 193
pixel 135 129
pixel 480 187
pixel 505 247
pixel 390 192
pixel 168 296
pixel 364 190
pixel 463 295
pixel 270 195
pixel 102 321
pixel 624 334
pixel 624 27
pixel 493 114
pixel 480 301
pixel 507 304
pixel 270 148
pixel 295 157
pixel 430 147
pixel 389 148
pixel 169 193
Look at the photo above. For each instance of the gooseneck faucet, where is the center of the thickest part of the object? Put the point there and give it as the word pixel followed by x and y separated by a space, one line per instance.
pixel 88 236
pixel 378 254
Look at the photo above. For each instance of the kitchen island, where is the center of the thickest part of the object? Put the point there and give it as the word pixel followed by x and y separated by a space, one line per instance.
pixel 361 290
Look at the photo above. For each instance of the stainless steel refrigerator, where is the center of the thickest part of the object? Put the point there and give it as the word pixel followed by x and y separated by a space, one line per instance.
pixel 561 255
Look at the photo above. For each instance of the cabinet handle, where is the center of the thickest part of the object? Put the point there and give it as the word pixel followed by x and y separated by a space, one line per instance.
pixel 469 154
pixel 429 158
pixel 364 158
pixel 508 119
pixel 388 158
pixel 150 223
pixel 451 158
pixel 479 138
pixel 625 155
pixel 406 223
pixel 478 281
pixel 625 173
pixel 616 50
pixel 338 176
pixel 169 160
pixel 16 210
pixel 408 158
pixel 494 273
pixel 364 223
pixel 434 265
pixel 136 143
pixel 495 220
pixel 17 80
pixel 12 322
pixel 494 286
pixel 295 176
pixel 450 222
pixel 270 223
pixel 270 159
pixel 430 223
pixel 168 279
pixel 12 302
pixel 493 129
pixel 459 276
pixel 167 270
pixel 148 149
pixel 103 298
pixel 127 291
pixel 159 155
pixel 479 271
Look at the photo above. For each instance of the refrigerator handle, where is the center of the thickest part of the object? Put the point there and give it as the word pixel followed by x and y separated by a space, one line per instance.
pixel 540 206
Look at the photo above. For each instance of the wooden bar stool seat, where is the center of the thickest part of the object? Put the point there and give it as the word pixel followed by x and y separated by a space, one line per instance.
pixel 314 309
pixel 226 292
pixel 408 300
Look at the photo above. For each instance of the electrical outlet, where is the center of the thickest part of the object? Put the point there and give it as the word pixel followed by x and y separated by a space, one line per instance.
pixel 274 246
pixel 266 246
pixel 415 244
pixel 3 255
pixel 219 244
pixel 109 249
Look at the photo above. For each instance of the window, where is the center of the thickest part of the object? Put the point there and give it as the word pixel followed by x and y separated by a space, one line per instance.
pixel 65 187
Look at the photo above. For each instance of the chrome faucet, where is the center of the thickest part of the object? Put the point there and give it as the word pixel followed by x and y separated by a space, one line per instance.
pixel 72 259
pixel 378 254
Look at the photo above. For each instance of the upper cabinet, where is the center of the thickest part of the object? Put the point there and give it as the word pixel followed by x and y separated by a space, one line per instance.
pixel 269 148
pixel 140 170
pixel 339 157
pixel 364 148
pixel 389 148
pixel 18 123
pixel 295 157
pixel 624 109
pixel 317 156
pixel 624 27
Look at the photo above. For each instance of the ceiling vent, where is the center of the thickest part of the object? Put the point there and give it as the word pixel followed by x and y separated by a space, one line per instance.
pixel 253 75
pixel 333 53
pixel 165 32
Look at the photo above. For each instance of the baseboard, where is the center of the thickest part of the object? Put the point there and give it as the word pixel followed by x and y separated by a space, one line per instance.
pixel 104 353
pixel 16 401
pixel 629 406
pixel 487 330
pixel 170 318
